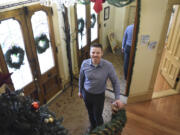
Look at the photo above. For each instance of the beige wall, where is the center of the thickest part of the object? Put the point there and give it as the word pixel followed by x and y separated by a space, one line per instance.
pixel 152 18
pixel 106 26
pixel 60 43
pixel 121 16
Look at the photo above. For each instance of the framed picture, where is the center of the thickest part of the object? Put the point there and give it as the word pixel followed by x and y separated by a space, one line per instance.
pixel 106 13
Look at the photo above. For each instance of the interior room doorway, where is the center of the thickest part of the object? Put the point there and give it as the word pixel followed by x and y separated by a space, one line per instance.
pixel 167 81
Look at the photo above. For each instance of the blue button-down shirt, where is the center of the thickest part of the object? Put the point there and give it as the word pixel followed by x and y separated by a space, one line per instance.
pixel 128 34
pixel 93 78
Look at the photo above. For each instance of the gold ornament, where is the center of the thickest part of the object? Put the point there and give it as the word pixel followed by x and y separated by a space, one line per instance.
pixel 46 120
pixel 51 119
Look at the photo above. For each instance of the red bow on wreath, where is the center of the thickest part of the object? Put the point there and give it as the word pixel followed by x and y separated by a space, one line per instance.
pixel 98 5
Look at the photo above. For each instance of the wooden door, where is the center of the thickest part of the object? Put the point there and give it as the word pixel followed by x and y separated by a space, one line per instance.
pixel 36 25
pixel 87 29
pixel 14 33
pixel 171 62
pixel 39 21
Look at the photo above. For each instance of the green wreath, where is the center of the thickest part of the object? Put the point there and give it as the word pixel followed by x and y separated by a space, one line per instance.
pixel 84 2
pixel 80 25
pixel 42 43
pixel 93 22
pixel 119 3
pixel 18 52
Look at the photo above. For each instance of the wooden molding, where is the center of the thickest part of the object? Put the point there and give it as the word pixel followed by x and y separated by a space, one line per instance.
pixel 164 93
pixel 139 97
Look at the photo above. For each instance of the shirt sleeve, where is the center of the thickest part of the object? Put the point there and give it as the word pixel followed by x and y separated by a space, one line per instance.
pixel 124 39
pixel 115 81
pixel 81 78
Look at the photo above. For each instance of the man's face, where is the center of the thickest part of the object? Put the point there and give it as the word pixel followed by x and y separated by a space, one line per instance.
pixel 96 54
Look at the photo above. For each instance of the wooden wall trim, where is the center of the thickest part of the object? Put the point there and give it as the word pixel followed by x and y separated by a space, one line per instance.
pixel 164 93
pixel 139 97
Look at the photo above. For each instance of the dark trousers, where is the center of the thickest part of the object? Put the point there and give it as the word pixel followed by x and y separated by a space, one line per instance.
pixel 126 60
pixel 95 105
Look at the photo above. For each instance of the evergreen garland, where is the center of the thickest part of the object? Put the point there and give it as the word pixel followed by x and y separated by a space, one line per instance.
pixel 84 2
pixel 113 127
pixel 120 3
pixel 42 43
pixel 18 52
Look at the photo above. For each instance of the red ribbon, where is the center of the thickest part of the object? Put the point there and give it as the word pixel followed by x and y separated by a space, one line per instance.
pixel 98 5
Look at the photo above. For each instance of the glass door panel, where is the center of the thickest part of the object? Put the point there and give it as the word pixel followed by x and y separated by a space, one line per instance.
pixel 40 27
pixel 10 36
pixel 94 24
pixel 81 15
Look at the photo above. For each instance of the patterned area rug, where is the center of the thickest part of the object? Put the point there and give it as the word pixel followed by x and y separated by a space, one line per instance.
pixel 117 60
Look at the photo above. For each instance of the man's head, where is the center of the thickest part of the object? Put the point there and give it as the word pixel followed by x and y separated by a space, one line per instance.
pixel 96 52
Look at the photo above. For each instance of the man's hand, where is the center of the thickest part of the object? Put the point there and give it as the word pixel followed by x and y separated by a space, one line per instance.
pixel 80 95
pixel 122 50
pixel 117 105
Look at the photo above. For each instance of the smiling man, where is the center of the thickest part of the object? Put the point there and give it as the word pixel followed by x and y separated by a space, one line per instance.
pixel 93 76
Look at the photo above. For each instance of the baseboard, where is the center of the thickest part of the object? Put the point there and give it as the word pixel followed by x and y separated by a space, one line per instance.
pixel 164 93
pixel 139 98
pixel 56 95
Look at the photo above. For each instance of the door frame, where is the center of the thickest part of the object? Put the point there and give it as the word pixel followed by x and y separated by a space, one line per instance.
pixel 168 92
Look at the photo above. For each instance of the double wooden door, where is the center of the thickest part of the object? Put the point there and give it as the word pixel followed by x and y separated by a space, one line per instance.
pixel 87 20
pixel 24 28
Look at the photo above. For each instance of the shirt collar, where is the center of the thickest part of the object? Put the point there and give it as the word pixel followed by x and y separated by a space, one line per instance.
pixel 100 64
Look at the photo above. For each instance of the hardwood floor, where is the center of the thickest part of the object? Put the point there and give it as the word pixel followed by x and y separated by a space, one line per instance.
pixel 156 117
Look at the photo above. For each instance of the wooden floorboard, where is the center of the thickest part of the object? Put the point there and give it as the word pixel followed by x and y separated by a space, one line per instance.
pixel 156 117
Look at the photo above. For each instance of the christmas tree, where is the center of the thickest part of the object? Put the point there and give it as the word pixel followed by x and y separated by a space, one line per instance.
pixel 20 115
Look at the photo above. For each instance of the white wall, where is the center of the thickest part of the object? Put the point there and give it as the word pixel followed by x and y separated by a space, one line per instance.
pixel 116 23
pixel 106 25
pixel 121 20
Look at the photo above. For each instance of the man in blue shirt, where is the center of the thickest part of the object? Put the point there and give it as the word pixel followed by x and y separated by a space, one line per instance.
pixel 94 73
pixel 126 47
